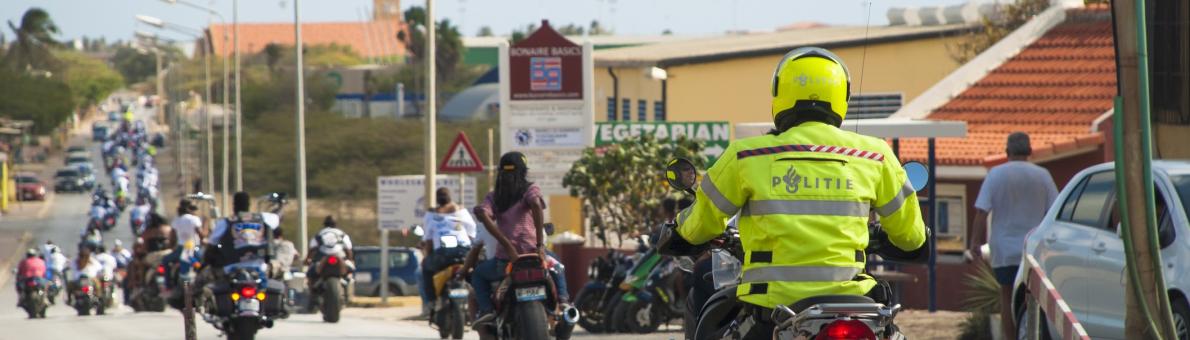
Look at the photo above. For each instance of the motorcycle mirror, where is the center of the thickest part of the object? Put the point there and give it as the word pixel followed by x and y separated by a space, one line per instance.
pixel 918 175
pixel 681 174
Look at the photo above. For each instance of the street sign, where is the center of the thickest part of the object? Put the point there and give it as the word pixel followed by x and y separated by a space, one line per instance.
pixel 400 200
pixel 546 108
pixel 461 157
pixel 715 136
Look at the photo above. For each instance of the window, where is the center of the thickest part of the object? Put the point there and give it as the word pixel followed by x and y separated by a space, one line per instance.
pixel 611 109
pixel 1165 229
pixel 626 110
pixel 874 105
pixel 659 111
pixel 1068 205
pixel 1169 68
pixel 1092 201
pixel 1182 184
pixel 642 110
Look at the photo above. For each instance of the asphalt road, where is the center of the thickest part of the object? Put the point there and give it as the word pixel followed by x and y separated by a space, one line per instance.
pixel 61 217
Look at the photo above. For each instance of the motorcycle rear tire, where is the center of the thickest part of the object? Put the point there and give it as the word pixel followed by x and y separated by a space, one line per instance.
pixel 617 320
pixel 456 321
pixel 332 302
pixel 591 309
pixel 100 308
pixel 83 308
pixel 530 321
pixel 243 329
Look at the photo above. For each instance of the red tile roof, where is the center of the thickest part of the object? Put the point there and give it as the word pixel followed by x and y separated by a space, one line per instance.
pixel 365 38
pixel 1053 90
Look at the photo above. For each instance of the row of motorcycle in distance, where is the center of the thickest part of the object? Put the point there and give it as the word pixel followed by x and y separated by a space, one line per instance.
pixel 631 293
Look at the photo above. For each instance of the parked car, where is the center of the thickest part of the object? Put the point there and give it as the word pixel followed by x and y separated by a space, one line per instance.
pixel 76 148
pixel 1078 248
pixel 69 180
pixel 78 155
pixel 404 266
pixel 76 159
pixel 98 132
pixel 29 187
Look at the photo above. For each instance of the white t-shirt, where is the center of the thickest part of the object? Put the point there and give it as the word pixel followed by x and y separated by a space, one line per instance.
pixel 1017 194
pixel 459 226
pixel 91 269
pixel 487 240
pixel 109 264
pixel 187 228
pixel 331 241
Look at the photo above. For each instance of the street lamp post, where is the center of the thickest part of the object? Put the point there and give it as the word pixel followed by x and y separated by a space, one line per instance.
pixel 431 108
pixel 235 18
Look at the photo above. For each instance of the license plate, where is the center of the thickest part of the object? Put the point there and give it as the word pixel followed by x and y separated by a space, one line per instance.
pixel 160 280
pixel 530 293
pixel 363 277
pixel 248 305
pixel 458 293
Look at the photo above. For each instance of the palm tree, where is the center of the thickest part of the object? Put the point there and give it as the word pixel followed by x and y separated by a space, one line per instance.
pixel 34 37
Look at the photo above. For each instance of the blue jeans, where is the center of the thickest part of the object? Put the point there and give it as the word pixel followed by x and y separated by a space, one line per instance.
pixel 486 273
pixel 423 288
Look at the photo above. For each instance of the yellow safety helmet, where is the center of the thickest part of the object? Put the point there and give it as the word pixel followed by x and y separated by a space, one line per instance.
pixel 811 79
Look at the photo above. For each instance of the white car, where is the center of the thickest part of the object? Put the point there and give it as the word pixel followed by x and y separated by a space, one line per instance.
pixel 1078 248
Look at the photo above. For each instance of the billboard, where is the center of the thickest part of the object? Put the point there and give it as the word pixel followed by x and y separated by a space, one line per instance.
pixel 400 200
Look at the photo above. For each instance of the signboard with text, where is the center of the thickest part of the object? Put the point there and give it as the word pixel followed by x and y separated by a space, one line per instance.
pixel 715 136
pixel 400 200
pixel 545 104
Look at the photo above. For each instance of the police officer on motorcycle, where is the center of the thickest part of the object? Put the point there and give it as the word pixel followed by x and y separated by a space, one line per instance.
pixel 802 194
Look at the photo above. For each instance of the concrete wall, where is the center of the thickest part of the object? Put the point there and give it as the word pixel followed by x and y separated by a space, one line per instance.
pixel 1171 141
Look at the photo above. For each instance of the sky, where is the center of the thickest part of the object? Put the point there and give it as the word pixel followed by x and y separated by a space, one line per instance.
pixel 113 19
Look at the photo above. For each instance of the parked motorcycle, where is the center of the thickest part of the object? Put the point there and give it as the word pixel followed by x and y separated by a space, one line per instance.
pixel 34 297
pixel 595 299
pixel 527 305
pixel 329 291
pixel 450 309
pixel 652 299
pixel 86 296
pixel 724 316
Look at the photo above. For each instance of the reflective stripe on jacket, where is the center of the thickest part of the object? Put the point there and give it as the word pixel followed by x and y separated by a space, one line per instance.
pixel 804 198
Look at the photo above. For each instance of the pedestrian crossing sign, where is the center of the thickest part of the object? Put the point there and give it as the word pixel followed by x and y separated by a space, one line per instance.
pixel 461 157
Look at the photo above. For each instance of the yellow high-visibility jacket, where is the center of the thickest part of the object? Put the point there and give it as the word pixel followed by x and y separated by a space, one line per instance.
pixel 803 199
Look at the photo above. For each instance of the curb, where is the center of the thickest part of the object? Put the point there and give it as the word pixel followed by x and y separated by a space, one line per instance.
pixel 7 262
pixel 374 302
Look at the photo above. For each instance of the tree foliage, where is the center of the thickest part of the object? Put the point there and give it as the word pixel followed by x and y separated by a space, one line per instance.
pixel 621 186
pixel 135 66
pixel 47 102
pixel 89 79
pixel 34 39
pixel 1007 19
pixel 449 48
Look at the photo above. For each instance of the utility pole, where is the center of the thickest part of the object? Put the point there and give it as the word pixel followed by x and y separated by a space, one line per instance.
pixel 235 18
pixel 301 128
pixel 226 113
pixel 1148 309
pixel 206 110
pixel 431 107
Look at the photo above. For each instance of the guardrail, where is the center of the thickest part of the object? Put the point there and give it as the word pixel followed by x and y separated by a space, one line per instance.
pixel 1044 297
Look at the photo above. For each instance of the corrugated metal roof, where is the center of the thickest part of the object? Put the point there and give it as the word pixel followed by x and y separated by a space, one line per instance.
pixel 732 46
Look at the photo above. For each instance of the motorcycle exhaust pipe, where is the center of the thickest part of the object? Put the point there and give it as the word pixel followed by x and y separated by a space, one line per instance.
pixel 570 315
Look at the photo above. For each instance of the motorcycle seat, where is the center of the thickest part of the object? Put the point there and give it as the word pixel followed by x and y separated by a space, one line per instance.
pixel 803 304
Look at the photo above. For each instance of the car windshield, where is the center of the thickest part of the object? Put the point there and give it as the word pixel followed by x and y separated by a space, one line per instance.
pixel 25 179
pixel 67 173
pixel 1182 183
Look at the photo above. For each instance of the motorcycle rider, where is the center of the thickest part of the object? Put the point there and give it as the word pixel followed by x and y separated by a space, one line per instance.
pixel 84 266
pixel 447 220
pixel 518 206
pixel 187 226
pixel 140 211
pixel 330 241
pixel 234 241
pixel 285 253
pixel 31 267
pixel 803 193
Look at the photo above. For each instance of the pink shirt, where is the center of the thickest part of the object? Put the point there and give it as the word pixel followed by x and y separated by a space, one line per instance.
pixel 31 267
pixel 516 223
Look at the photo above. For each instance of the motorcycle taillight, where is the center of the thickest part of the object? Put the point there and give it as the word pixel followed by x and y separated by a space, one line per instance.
pixel 333 260
pixel 846 330
pixel 31 283
pixel 86 289
pixel 528 275
pixel 161 269
pixel 247 291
